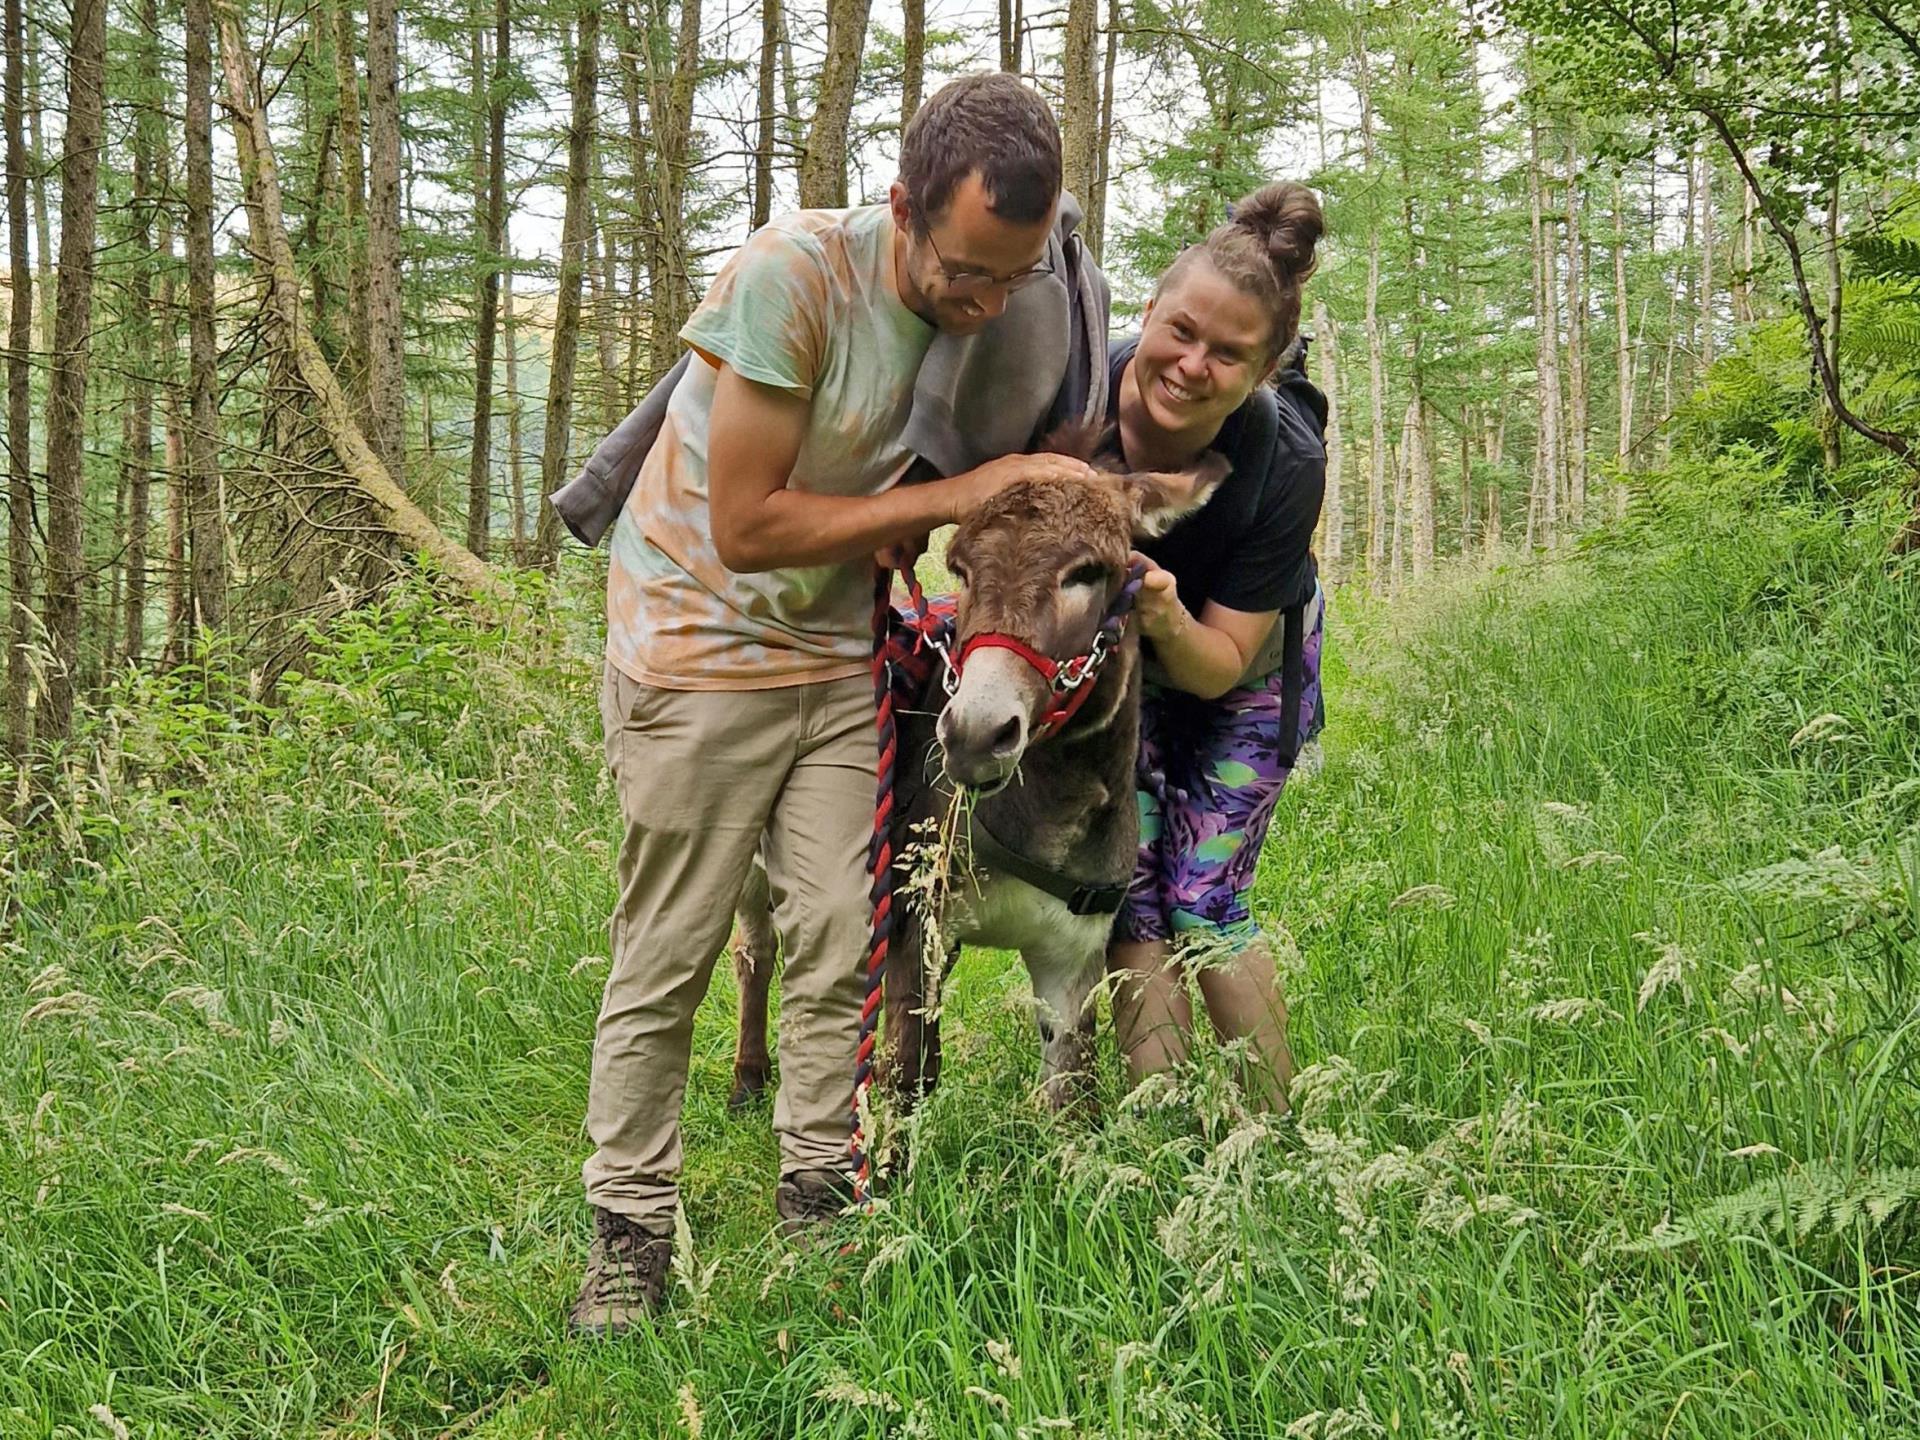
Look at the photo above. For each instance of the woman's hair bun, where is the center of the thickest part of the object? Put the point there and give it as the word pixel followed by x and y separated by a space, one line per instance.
pixel 1286 219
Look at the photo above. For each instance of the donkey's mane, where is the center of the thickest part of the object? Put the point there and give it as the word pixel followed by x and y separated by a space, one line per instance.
pixel 1094 441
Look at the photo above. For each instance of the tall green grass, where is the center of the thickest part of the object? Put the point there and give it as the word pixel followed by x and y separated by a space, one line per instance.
pixel 1597 920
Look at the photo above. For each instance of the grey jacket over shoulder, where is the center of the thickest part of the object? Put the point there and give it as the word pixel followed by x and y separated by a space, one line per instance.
pixel 1039 365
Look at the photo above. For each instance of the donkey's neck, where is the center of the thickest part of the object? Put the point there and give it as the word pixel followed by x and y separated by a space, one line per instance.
pixel 1070 806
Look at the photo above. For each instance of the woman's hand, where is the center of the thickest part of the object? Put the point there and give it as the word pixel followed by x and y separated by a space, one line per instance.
pixel 1161 616
pixel 1202 654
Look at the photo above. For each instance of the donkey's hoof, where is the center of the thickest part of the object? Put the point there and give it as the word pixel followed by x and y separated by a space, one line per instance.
pixel 1071 1098
pixel 749 1086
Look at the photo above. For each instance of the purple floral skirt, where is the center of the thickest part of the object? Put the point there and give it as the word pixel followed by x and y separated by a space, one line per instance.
pixel 1211 773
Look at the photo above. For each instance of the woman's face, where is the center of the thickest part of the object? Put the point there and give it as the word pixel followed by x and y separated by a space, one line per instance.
pixel 1203 349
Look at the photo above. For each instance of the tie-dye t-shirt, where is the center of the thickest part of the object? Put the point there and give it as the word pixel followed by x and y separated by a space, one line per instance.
pixel 808 304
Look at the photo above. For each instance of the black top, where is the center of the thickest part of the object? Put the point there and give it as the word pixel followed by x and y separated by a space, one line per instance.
pixel 1250 546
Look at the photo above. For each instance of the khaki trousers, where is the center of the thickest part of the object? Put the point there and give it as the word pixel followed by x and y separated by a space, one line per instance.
pixel 702 777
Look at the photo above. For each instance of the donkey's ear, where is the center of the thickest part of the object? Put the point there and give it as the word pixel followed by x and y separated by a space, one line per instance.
pixel 1162 497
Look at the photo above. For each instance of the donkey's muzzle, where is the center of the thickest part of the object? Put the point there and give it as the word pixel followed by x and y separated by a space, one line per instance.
pixel 986 726
pixel 977 756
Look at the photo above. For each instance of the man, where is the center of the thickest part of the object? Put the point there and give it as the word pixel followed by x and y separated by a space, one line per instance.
pixel 736 698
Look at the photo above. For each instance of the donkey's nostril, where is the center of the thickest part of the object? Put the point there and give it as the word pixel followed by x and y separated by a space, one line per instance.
pixel 1007 738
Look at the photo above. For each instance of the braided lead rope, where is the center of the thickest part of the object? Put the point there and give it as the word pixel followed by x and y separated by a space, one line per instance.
pixel 1115 619
pixel 880 848
pixel 880 892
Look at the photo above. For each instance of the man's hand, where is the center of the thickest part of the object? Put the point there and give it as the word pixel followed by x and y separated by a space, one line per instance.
pixel 1161 616
pixel 968 491
pixel 902 554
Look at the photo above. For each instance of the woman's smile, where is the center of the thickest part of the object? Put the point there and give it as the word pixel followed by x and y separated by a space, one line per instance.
pixel 1178 393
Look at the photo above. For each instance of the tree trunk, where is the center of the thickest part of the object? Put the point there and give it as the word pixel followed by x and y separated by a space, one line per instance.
pixel 670 100
pixel 316 257
pixel 1080 107
pixel 1376 343
pixel 823 168
pixel 1096 223
pixel 1543 509
pixel 1743 311
pixel 516 474
pixel 1334 517
pixel 1009 38
pixel 206 524
pixel 790 91
pixel 386 335
pixel 67 367
pixel 19 626
pixel 606 329
pixel 1397 560
pixel 37 169
pixel 1414 444
pixel 175 445
pixel 1667 367
pixel 1625 360
pixel 1826 419
pixel 353 189
pixel 1707 240
pixel 1689 271
pixel 1420 482
pixel 1577 397
pixel 913 58
pixel 1377 441
pixel 573 246
pixel 491 191
pixel 762 210
pixel 137 465
pixel 368 477
pixel 643 241
pixel 100 641
pixel 1466 480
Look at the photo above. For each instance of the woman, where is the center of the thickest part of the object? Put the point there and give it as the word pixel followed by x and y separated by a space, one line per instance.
pixel 1230 610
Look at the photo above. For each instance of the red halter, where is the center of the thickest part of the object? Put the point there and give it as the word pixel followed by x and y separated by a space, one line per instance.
pixel 1067 680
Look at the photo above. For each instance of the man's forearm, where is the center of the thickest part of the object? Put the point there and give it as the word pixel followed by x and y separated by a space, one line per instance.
pixel 795 527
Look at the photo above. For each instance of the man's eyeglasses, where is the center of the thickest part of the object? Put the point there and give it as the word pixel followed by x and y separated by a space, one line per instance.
pixel 971 282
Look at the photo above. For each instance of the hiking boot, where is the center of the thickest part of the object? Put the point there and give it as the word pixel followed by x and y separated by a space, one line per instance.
pixel 810 1199
pixel 626 1280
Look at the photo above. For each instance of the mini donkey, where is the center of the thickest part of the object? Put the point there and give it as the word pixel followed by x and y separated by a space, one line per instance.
pixel 1054 824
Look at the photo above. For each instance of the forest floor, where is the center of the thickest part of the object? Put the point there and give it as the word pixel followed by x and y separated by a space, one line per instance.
pixel 1598 919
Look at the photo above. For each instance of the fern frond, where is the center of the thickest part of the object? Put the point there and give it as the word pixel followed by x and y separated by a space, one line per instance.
pixel 1815 1200
pixel 1887 257
pixel 1892 336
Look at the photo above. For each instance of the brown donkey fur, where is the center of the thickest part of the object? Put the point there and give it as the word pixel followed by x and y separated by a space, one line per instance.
pixel 1041 562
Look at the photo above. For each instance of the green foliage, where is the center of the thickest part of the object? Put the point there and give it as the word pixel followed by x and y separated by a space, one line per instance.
pixel 1759 395
pixel 1594 902
pixel 1229 79
pixel 1797 1206
pixel 1893 258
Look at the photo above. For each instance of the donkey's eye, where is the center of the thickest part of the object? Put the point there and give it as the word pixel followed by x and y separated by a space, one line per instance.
pixel 1091 573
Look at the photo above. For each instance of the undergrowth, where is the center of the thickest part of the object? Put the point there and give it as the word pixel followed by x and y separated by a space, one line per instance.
pixel 1598 918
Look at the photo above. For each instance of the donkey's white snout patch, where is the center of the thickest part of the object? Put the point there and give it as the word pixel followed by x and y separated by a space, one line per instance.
pixel 985 728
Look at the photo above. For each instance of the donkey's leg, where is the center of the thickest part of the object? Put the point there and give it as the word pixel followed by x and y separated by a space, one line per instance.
pixel 911 1062
pixel 754 949
pixel 1063 976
